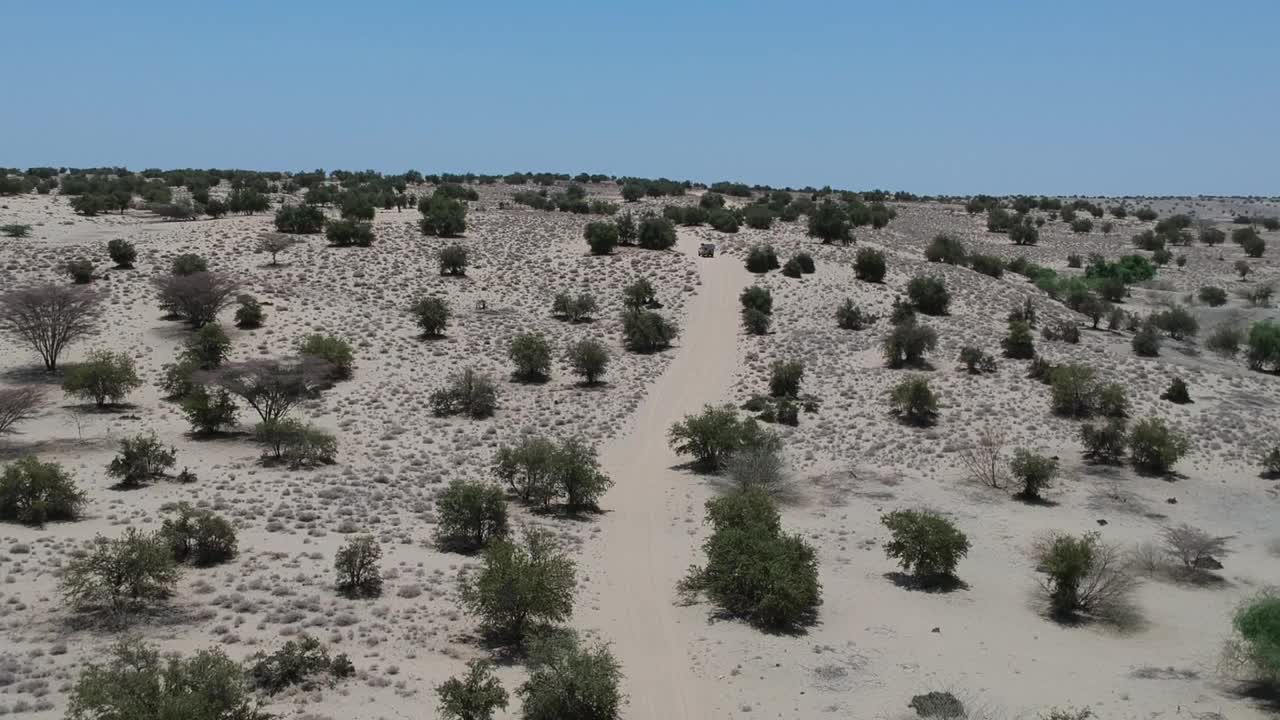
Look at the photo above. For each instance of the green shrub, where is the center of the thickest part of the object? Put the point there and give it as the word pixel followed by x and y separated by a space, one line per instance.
pixel 762 259
pixel 792 268
pixel 1225 340
pixel 988 265
pixel 715 434
pixel 356 566
pixel 467 393
pixel 913 401
pixel 16 231
pixel 540 471
pixel 1154 447
pixel 477 696
pixel 601 237
pixel 929 295
pixel 945 249
pixel 1257 625
pixel 139 683
pixel 334 352
pixel 1264 346
pixel 941 705
pixel 725 221
pixel 249 314
pixel 122 253
pixel 851 317
pixel 869 265
pixel 805 261
pixel 830 223
pixel 469 515
pixel 520 586
pixel 1018 343
pixel 295 442
pixel 785 378
pixel 1146 342
pixel 1212 236
pixel 80 271
pixel 531 354
pixel 1024 233
pixel 198 536
pixel 639 294
pixel 349 233
pixel 907 343
pixel 758 217
pixel 133 571
pixel 208 411
pixel 574 309
pixel 925 544
pixel 755 322
pixel 431 314
pixel 753 570
pixel 1110 400
pixel 453 260
pixel 656 233
pixel 1213 296
pixel 1074 390
pixel 297 662
pixel 141 458
pixel 207 347
pixel 1177 322
pixel 106 377
pixel 1034 472
pixel 1177 392
pixel 442 216
pixel 1104 441
pixel 1082 574
pixel 33 493
pixel 299 219
pixel 567 680
pixel 757 298
pixel 589 359
pixel 644 331
pixel 976 361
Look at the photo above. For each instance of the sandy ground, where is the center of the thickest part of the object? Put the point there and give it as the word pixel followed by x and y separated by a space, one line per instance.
pixel 875 644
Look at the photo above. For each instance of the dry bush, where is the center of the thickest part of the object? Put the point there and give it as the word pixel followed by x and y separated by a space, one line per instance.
pixel 1084 576
pixel 50 317
pixel 18 404
pixel 271 387
pixel 197 297
pixel 1196 549
pixel 984 460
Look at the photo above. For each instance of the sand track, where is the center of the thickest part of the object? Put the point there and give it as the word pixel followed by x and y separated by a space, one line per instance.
pixel 645 549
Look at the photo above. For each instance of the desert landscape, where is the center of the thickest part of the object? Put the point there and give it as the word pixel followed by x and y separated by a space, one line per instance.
pixel 336 445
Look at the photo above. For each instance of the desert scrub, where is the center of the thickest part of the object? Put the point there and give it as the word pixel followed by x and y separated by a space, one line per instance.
pixel 33 493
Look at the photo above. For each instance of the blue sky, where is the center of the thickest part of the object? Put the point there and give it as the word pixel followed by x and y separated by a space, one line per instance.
pixel 1087 97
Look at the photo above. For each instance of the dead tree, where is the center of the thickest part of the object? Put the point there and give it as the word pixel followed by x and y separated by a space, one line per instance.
pixel 18 404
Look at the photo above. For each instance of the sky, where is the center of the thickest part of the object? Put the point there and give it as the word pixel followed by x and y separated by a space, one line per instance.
pixel 949 97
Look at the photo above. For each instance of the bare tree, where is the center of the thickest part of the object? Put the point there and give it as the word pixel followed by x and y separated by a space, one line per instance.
pixel 271 387
pixel 50 317
pixel 761 467
pixel 984 460
pixel 18 404
pixel 197 297
pixel 1193 547
pixel 276 243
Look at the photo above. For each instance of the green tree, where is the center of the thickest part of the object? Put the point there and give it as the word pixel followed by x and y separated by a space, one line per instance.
pixel 1154 447
pixel 589 359
pixel 199 536
pixel 1257 625
pixel 34 492
pixel 924 543
pixel 869 265
pixel 356 565
pixel 475 696
pixel 519 586
pixel 431 314
pixel 601 237
pixel 442 216
pixel 531 354
pixel 122 253
pixel 453 260
pixel 469 515
pixel 141 458
pixel 929 295
pixel 567 680
pixel 106 377
pixel 715 434
pixel 913 401
pixel 132 571
pixel 1033 471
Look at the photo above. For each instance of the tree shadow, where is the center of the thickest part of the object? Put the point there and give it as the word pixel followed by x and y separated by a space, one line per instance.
pixel 1266 695
pixel 1036 501
pixel 931 584
pixel 30 375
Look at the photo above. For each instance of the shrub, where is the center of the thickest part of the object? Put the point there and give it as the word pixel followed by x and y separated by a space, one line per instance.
pixel 1024 233
pixel 851 317
pixel 347 233
pixel 197 297
pixel 573 309
pixel 1195 549
pixel 295 442
pixel 755 321
pixel 945 249
pixel 519 586
pixel 33 493
pixel 1018 343
pixel 1225 340
pixel 122 253
pixel 431 314
pixel 759 467
pixel 1177 322
pixel 1213 296
pixel 639 294
pixel 869 265
pixel 1063 330
pixel 757 298
pixel 907 343
pixel 601 237
pixel 1074 388
pixel 1257 623
pixel 250 314
pixel 725 221
pixel 925 544
pixel 81 271
pixel 753 570
pixel 567 680
pixel 140 684
pixel 989 265
pixel 356 565
pixel 758 217
pixel 929 295
pixel 296 663
pixel 333 352
pixel 442 216
pixel 1212 236
pixel 902 312
pixel 656 233
pixel 1243 269
pixel 913 401
pixel 1104 442
pixel 715 434
pixel 453 260
pixel 1109 400
pixel 299 219
pixel 13 230
pixel 588 358
pixel 762 259
pixel 209 412
pixel 1154 447
pixel 198 536
pixel 132 571
pixel 207 348
pixel 140 459
pixel 805 262
pixel 792 268
pixel 976 361
pixel 1082 575
pixel 476 696
pixel 1264 345
pixel 1034 472
pixel 469 515
pixel 1177 392
pixel 469 392
pixel 644 331
pixel 942 705
pixel 1146 342
pixel 531 354
pixel 271 387
pixel 106 377
pixel 785 378
pixel 276 243
pixel 830 223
